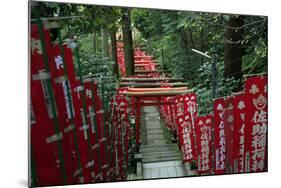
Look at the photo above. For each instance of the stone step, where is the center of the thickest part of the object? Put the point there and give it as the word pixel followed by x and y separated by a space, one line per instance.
pixel 155 136
pixel 152 159
pixel 160 153
pixel 162 164
pixel 159 146
pixel 150 109
pixel 155 141
pixel 149 118
pixel 155 131
pixel 155 123
pixel 164 172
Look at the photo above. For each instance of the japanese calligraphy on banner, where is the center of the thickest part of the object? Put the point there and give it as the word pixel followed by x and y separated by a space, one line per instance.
pixel 179 105
pixel 190 103
pixel 45 151
pixel 37 62
pixel 228 127
pixel 185 133
pixel 83 134
pixel 256 120
pixel 203 127
pixel 219 136
pixel 239 113
pixel 58 66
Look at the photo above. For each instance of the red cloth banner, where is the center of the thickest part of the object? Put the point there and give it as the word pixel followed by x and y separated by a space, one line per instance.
pixel 239 113
pixel 179 109
pixel 256 121
pixel 219 136
pixel 37 62
pixel 43 138
pixel 228 124
pixel 82 132
pixel 190 104
pixel 185 133
pixel 203 127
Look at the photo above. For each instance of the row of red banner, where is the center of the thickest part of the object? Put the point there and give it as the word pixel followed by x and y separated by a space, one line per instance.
pixel 73 140
pixel 231 140
pixel 140 57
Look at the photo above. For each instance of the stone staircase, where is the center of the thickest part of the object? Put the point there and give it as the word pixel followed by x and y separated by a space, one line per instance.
pixel 159 158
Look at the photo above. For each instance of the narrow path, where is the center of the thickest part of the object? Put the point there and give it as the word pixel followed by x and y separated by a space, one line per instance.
pixel 160 159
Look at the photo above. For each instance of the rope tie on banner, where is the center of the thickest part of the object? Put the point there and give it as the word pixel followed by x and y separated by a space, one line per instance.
pixel 79 88
pixel 91 114
pixel 90 164
pixel 100 112
pixel 95 146
pixel 54 138
pixel 41 76
pixel 104 166
pixel 69 128
pixel 61 79
pixel 77 172
pixel 103 139
pixel 84 127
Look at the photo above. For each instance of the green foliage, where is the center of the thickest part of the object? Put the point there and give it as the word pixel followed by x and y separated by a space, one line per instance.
pixel 225 86
pixel 173 32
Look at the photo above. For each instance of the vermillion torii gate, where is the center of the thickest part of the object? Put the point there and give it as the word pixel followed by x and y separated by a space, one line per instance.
pixel 146 87
pixel 156 93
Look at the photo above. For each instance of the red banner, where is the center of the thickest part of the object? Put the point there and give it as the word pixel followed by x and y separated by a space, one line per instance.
pixel 190 104
pixel 48 164
pixel 185 133
pixel 228 124
pixel 256 121
pixel 203 127
pixel 239 113
pixel 219 136
pixel 83 127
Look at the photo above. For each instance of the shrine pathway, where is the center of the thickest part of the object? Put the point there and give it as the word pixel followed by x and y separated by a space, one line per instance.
pixel 160 159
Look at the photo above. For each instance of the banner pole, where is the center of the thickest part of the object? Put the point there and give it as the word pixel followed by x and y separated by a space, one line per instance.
pixel 95 124
pixel 69 103
pixel 76 53
pixel 104 116
pixel 52 100
pixel 33 170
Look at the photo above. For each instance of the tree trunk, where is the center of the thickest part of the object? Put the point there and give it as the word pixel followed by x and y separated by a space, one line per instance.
pixel 105 51
pixel 128 42
pixel 114 53
pixel 95 42
pixel 233 50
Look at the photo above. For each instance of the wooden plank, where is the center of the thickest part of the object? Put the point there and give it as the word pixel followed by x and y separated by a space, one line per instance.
pixel 146 71
pixel 151 79
pixel 143 65
pixel 151 71
pixel 143 56
pixel 152 85
pixel 136 62
pixel 156 89
pixel 156 93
